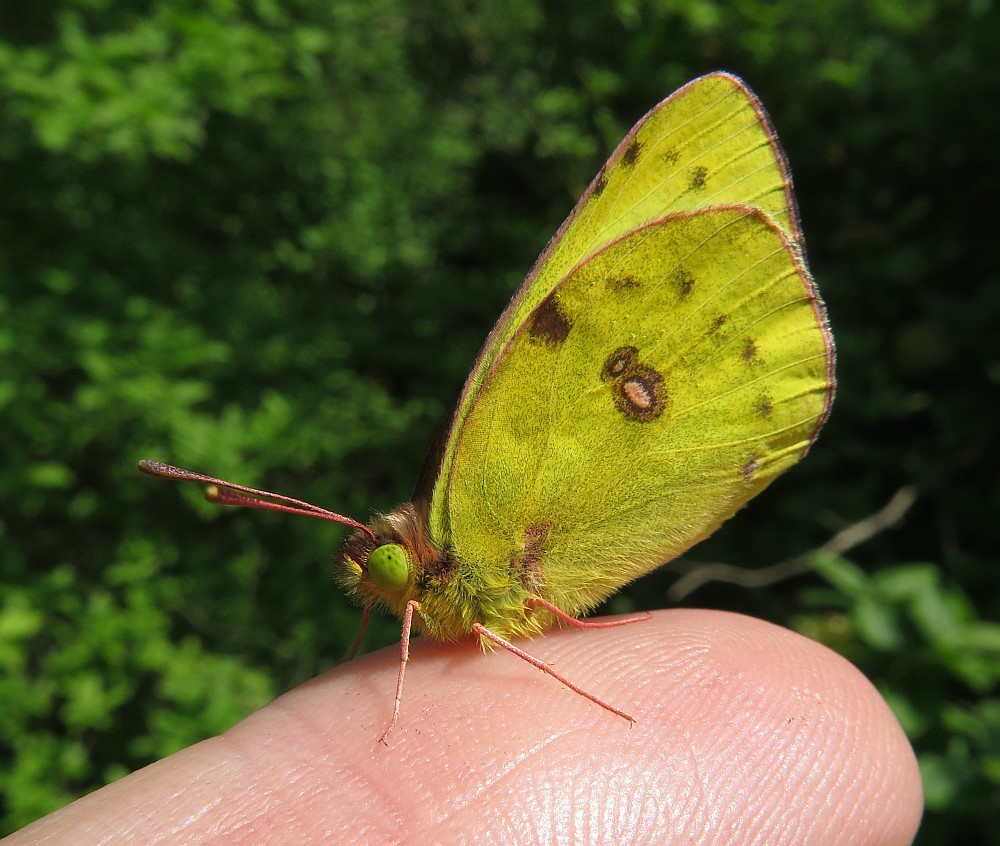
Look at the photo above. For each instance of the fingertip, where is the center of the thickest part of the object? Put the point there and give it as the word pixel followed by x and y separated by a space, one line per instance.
pixel 743 732
pixel 778 729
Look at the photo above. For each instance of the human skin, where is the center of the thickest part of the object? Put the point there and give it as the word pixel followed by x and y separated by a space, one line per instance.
pixel 745 733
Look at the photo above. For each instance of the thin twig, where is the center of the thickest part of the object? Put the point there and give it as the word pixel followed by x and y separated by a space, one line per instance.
pixel 847 538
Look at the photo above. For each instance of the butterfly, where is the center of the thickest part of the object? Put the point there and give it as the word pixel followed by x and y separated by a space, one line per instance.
pixel 667 357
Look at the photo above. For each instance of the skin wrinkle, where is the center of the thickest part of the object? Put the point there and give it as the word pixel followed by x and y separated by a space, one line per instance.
pixel 690 811
pixel 544 803
pixel 624 815
pixel 598 806
pixel 575 812
pixel 592 809
pixel 268 805
pixel 734 779
pixel 137 816
pixel 522 817
pixel 173 832
pixel 321 744
pixel 501 777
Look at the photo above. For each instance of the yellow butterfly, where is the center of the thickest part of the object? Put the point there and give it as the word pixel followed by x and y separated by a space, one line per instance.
pixel 666 358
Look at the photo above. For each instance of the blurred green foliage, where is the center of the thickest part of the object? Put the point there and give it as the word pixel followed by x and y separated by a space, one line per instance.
pixel 265 240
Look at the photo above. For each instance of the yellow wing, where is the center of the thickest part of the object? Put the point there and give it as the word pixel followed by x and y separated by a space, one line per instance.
pixel 665 381
pixel 708 144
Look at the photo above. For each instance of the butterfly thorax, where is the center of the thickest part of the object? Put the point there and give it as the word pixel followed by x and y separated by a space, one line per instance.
pixel 452 594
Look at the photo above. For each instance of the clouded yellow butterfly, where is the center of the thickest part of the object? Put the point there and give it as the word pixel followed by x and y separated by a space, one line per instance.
pixel 665 359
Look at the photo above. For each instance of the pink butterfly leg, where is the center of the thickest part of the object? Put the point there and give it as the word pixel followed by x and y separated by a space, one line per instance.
pixel 404 657
pixel 538 602
pixel 481 630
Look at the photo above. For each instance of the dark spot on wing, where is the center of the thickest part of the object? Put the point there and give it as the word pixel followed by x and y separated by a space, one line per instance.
pixel 526 563
pixel 640 396
pixel 638 389
pixel 698 178
pixel 548 323
pixel 631 154
pixel 619 363
pixel 684 282
pixel 623 282
pixel 600 184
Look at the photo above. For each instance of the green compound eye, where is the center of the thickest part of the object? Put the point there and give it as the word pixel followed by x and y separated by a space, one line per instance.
pixel 389 567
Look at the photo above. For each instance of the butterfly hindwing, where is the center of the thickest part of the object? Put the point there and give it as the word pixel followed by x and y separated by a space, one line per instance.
pixel 661 385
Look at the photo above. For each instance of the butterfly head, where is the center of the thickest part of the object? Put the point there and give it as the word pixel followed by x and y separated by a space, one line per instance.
pixel 381 564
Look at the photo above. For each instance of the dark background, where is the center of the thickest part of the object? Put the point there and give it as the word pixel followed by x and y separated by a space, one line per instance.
pixel 266 240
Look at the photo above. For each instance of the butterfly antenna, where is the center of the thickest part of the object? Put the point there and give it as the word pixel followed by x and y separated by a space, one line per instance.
pixel 228 493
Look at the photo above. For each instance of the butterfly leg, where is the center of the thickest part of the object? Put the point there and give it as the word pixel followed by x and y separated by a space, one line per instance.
pixel 361 634
pixel 538 602
pixel 482 631
pixel 404 657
